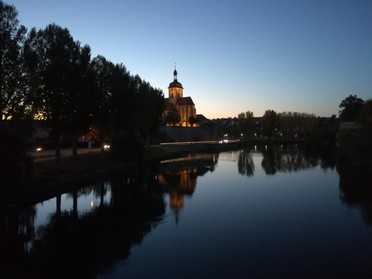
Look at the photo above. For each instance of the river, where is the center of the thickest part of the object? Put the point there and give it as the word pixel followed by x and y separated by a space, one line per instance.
pixel 259 212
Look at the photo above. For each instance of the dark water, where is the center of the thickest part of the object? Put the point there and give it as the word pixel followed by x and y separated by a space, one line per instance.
pixel 258 213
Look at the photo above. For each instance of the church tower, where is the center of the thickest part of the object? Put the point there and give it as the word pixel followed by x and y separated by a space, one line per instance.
pixel 179 106
pixel 175 89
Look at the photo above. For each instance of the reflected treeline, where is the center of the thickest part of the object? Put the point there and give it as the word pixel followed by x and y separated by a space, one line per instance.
pixel 356 189
pixel 280 158
pixel 80 245
pixel 245 162
pixel 178 177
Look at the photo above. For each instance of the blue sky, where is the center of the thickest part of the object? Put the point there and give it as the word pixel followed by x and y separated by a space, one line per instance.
pixel 232 56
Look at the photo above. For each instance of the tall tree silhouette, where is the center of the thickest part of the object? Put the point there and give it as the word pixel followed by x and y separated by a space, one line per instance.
pixel 12 85
pixel 350 108
pixel 270 122
pixel 80 111
pixel 245 122
pixel 102 71
pixel 149 104
pixel 52 56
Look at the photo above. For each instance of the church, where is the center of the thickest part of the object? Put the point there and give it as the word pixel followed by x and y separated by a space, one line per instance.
pixel 179 110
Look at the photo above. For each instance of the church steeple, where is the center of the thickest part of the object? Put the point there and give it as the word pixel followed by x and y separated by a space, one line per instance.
pixel 175 73
pixel 175 89
pixel 175 83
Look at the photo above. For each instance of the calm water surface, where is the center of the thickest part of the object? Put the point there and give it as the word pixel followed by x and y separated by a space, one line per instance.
pixel 270 213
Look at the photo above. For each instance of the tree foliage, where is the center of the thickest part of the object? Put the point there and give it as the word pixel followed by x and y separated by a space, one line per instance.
pixel 12 86
pixel 350 108
pixel 57 67
pixel 172 118
pixel 245 122
pixel 270 123
pixel 193 120
pixel 296 124
pixel 150 105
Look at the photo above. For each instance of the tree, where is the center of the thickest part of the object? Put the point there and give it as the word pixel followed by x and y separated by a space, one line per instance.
pixel 245 122
pixel 366 116
pixel 14 130
pixel 51 56
pixel 150 104
pixel 12 35
pixel 81 105
pixel 270 122
pixel 101 98
pixel 297 124
pixel 121 104
pixel 350 108
pixel 192 120
pixel 355 145
pixel 172 118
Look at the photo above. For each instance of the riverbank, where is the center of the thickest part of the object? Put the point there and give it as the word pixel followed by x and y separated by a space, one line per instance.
pixel 50 179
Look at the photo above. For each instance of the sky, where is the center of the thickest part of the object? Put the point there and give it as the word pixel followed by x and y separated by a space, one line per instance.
pixel 231 56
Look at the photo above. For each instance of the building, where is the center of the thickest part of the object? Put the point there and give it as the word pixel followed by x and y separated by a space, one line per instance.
pixel 179 110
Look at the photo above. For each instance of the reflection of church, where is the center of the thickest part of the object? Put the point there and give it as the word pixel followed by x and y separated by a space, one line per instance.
pixel 181 109
pixel 178 184
pixel 179 179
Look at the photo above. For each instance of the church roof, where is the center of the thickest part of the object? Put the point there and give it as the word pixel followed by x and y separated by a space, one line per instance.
pixel 168 105
pixel 175 82
pixel 185 101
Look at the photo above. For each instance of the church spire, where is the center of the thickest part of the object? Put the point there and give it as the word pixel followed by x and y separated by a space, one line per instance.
pixel 175 73
pixel 175 83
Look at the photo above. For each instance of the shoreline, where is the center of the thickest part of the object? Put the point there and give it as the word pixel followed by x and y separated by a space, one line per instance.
pixel 50 179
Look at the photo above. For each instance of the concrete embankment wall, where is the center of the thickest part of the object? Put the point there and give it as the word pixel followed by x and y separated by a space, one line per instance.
pixel 188 134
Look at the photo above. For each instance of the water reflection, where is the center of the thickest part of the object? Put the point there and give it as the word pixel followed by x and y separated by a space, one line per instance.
pixel 245 162
pixel 85 232
pixel 291 159
pixel 356 190
pixel 178 177
pixel 279 158
pixel 77 241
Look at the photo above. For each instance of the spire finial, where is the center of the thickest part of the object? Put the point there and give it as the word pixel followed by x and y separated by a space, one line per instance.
pixel 175 73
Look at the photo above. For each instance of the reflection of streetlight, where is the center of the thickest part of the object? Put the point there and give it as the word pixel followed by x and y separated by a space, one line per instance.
pixel 92 204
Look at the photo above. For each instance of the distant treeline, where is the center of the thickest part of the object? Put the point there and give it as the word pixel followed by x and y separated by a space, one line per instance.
pixel 307 127
pixel 273 125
